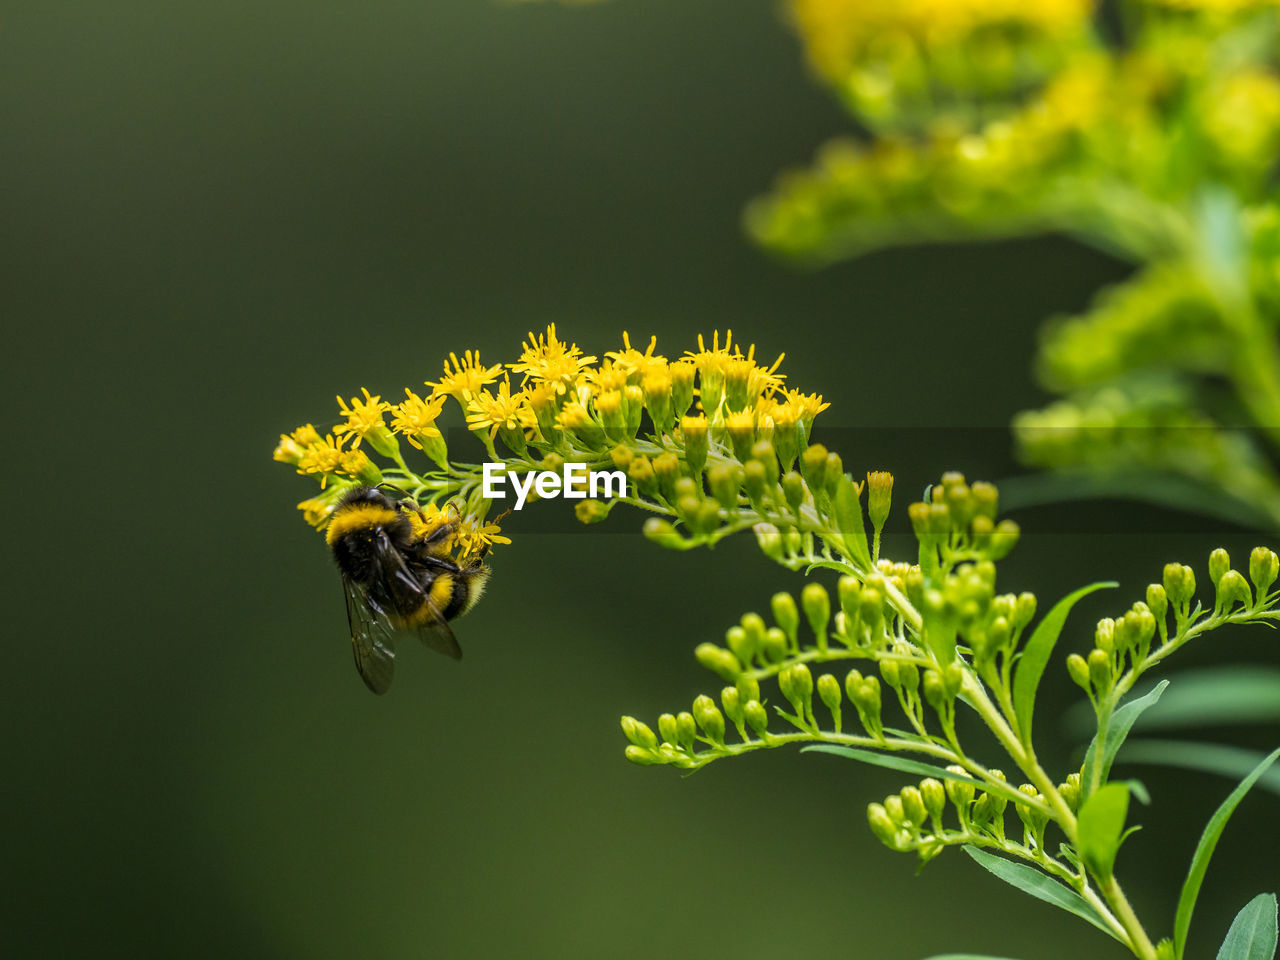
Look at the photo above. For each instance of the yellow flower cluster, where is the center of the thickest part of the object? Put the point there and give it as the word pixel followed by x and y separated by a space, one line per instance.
pixel 567 405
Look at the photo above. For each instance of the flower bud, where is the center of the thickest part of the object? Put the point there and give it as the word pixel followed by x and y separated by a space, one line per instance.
pixel 718 660
pixel 1071 793
pixel 666 467
pixel 1104 635
pixel 935 798
pixel 1024 610
pixel 682 373
pixel 879 497
pixel 1003 539
pixel 871 608
pixel 725 481
pixel 762 450
pixel 833 473
pixel 741 427
pixel 891 674
pixel 709 718
pixel 1158 603
pixel 738 642
pixel 813 465
pixel 798 688
pixel 748 687
pixel 913 805
pixel 882 825
pixel 1079 670
pixel 1219 564
pixel 663 533
pixel 775 645
pixel 829 691
pixel 865 695
pixel 622 455
pixel 817 610
pixel 667 728
pixel 755 481
pixel 591 511
pixel 640 473
pixel 935 691
pixel 960 791
pixel 785 614
pixel 849 590
pixel 1100 669
pixel 686 729
pixel 732 703
pixel 1179 584
pixel 753 626
pixel 1264 567
pixel 1032 818
pixel 985 499
pixel 757 717
pixel 1233 590
pixel 793 490
pixel 639 733
pixel 769 540
pixel 894 808
pixel 641 756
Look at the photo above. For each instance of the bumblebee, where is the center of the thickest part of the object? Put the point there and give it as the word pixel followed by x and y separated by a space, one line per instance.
pixel 399 578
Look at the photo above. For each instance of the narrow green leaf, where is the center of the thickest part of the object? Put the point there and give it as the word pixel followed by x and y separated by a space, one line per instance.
pixel 1146 486
pixel 1211 696
pixel 1122 722
pixel 853 531
pixel 1233 762
pixel 1253 932
pixel 892 762
pixel 1204 852
pixel 1036 653
pixel 1100 825
pixel 1220 696
pixel 1032 881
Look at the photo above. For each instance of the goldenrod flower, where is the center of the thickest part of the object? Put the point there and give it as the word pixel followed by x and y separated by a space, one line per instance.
pixel 293 445
pixel 415 417
pixel 551 360
pixel 316 511
pixel 466 377
pixel 504 411
pixel 474 536
pixel 610 375
pixel 637 363
pixel 809 405
pixel 364 417
pixel 322 457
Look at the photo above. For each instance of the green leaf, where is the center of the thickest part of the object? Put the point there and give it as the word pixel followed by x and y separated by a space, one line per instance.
pixel 1100 824
pixel 892 762
pixel 1036 653
pixel 1224 696
pixel 1219 696
pixel 853 531
pixel 1234 762
pixel 1204 852
pixel 1146 486
pixel 1122 722
pixel 1032 881
pixel 1253 932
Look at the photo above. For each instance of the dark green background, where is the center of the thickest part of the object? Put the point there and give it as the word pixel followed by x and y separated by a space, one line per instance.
pixel 217 217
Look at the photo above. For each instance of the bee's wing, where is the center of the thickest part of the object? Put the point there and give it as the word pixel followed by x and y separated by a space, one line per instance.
pixel 372 641
pixel 436 634
pixel 434 631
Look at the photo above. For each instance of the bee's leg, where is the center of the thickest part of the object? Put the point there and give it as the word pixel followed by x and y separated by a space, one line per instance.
pixel 438 563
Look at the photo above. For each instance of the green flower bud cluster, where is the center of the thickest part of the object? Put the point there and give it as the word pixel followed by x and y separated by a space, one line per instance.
pixel 1127 642
pixel 959 521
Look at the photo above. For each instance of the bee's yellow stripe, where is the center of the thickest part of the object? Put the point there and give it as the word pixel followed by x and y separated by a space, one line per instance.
pixel 358 516
pixel 441 591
